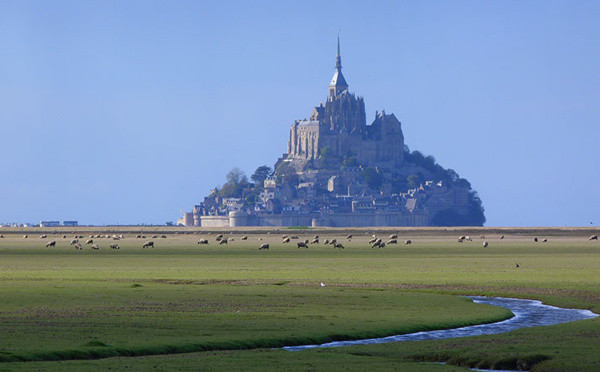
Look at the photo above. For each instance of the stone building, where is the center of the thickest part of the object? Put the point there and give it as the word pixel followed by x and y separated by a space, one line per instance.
pixel 337 129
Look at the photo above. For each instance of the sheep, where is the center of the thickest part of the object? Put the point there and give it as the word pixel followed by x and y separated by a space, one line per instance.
pixel 89 241
pixel 244 238
pixel 349 237
pixel 501 236
pixel 485 244
pixel 64 236
pixel 333 241
pixel 302 245
pixel 338 245
pixel 138 236
pixel 376 244
pixel 74 241
pixel 393 241
pixel 264 246
pixel 462 237
pixel 219 237
pixel 162 236
pixel 284 237
pixel 78 246
pixel 92 236
pixel 326 241
pixel 314 241
pixel 51 243
pixel 294 237
pixel 373 240
pixel 224 240
pixel 95 246
pixel 154 236
pixel 1 236
pixel 286 240
pixel 115 237
pixel 43 236
pixel 115 246
pixel 394 236
pixel 203 241
pixel 544 240
pixel 593 237
pixel 482 237
pixel 25 236
pixel 407 241
pixel 306 241
pixel 148 244
pixel 460 240
pixel 535 239
pixel 316 237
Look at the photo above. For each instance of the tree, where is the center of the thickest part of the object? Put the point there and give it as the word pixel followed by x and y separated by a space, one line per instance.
pixel 373 178
pixel 260 175
pixel 236 176
pixel 414 181
pixel 236 182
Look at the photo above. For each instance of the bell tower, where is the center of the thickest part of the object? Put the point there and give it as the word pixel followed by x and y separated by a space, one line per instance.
pixel 338 83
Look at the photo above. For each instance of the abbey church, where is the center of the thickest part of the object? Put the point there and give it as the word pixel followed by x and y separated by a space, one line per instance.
pixel 340 172
pixel 340 126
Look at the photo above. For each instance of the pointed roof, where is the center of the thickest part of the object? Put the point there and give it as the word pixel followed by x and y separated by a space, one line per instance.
pixel 338 80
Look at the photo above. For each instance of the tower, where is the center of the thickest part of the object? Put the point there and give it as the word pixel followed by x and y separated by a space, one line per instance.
pixel 338 83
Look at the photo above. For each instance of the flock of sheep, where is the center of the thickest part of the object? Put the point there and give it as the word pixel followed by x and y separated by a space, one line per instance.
pixel 374 242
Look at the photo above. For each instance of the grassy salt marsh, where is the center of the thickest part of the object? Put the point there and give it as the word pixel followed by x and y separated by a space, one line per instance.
pixel 186 306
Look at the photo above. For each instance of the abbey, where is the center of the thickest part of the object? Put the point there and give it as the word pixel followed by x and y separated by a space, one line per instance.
pixel 339 171
pixel 338 128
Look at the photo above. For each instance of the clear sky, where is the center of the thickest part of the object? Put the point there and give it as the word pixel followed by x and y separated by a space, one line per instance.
pixel 126 112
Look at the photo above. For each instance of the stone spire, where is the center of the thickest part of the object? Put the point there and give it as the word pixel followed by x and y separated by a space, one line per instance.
pixel 338 83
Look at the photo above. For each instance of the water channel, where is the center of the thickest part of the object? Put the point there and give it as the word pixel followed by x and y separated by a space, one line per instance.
pixel 527 313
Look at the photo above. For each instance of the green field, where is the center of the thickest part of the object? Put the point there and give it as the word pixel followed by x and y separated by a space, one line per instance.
pixel 184 306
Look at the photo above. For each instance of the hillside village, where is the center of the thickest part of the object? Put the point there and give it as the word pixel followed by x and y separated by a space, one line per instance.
pixel 339 171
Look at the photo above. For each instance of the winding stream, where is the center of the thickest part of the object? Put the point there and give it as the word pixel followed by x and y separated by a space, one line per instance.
pixel 528 313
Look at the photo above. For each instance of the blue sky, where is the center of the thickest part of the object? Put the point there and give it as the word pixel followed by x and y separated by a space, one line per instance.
pixel 116 112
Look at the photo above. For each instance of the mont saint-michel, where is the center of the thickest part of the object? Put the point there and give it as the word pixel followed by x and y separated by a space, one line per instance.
pixel 339 171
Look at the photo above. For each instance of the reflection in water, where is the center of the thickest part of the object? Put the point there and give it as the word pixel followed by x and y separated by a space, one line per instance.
pixel 528 313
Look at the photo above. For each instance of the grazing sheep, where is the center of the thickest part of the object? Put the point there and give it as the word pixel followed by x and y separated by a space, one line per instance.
pixel 373 240
pixel 116 238
pixel 148 244
pixel 544 240
pixel 78 246
pixel 485 244
pixel 224 240
pixel 64 236
pixel 286 240
pixel 89 241
pixel 393 241
pixel 74 241
pixel 302 245
pixel 264 246
pixel 517 265
pixel 338 245
pixel 43 236
pixel 314 241
pixel 95 246
pixel 284 237
pixel 535 239
pixel 316 237
pixel 244 238
pixel 203 241
pixel 24 236
pixel 501 236
pixel 1 236
pixel 154 236
pixel 468 238
pixel 92 236
pixel 593 237
pixel 326 241
pixel 333 241
pixel 376 245
pixel 219 237
pixel 393 236
pixel 115 246
pixel 482 237
pixel 51 243
pixel 462 237
pixel 349 237
pixel 305 241
pixel 294 237
pixel 138 236
pixel 407 241
pixel 163 236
